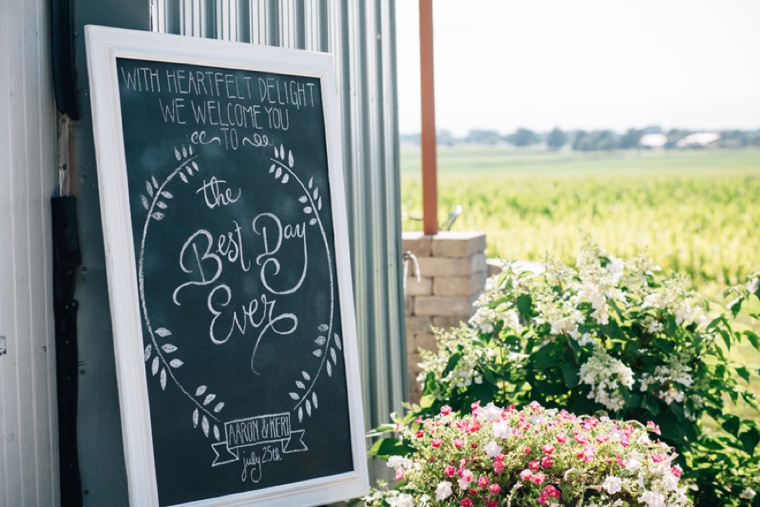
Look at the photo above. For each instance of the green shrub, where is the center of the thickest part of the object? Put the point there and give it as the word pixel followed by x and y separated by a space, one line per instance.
pixel 618 339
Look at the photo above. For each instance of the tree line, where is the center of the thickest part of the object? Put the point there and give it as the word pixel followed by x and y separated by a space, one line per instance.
pixel 602 140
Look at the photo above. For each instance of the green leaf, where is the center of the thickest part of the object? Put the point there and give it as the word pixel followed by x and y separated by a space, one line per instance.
pixel 387 447
pixel 743 372
pixel 750 439
pixel 525 305
pixel 731 424
pixel 570 373
pixel 726 338
pixel 652 406
pixel 753 338
pixel 544 357
pixel 452 363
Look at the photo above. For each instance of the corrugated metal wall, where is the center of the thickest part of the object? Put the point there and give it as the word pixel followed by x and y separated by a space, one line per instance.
pixel 28 427
pixel 361 36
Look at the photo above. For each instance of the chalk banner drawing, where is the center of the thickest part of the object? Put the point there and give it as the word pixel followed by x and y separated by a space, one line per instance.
pixel 237 284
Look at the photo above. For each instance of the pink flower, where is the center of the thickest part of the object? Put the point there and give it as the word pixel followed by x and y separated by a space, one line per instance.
pixel 420 434
pixel 451 471
pixel 526 450
pixel 581 438
pixel 588 453
pixel 651 426
pixel 498 466
pixel 483 482
pixel 526 475
pixel 535 406
pixel 561 438
pixel 539 478
pixel 495 489
pixel 458 443
pixel 548 449
pixel 475 406
pixel 436 442
pixel 547 461
pixel 552 492
pixel 517 433
pixel 466 503
pixel 492 503
pixel 467 475
pixel 399 474
pixel 602 437
pixel 676 470
pixel 659 457
pixel 445 410
pixel 534 465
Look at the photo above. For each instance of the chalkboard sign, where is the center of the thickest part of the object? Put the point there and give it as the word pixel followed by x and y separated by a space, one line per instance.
pixel 227 254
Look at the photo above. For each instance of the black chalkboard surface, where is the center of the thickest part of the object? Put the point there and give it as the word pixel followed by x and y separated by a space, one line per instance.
pixel 239 285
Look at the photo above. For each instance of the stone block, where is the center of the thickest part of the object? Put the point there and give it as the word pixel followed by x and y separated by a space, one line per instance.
pixel 423 287
pixel 449 266
pixel 459 285
pixel 418 325
pixel 479 263
pixel 408 306
pixel 448 322
pixel 420 341
pixel 417 243
pixel 458 244
pixel 443 305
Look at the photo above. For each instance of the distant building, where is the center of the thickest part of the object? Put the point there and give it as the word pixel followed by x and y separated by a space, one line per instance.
pixel 653 141
pixel 697 140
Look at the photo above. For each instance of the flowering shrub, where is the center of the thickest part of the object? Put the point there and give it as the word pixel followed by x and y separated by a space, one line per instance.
pixel 531 457
pixel 614 338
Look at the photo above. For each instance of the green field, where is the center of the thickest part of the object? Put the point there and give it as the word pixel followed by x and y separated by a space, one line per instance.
pixel 695 212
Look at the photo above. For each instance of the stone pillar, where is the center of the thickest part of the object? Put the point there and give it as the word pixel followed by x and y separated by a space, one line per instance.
pixel 453 274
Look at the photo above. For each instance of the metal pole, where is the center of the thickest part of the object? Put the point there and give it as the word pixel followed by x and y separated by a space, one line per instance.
pixel 428 142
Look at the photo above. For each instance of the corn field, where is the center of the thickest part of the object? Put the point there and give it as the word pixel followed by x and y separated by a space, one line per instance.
pixel 695 212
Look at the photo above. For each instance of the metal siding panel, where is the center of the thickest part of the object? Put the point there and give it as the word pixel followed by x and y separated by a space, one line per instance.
pixel 28 453
pixel 388 138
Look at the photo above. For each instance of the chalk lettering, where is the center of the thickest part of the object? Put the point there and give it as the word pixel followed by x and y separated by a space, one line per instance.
pixel 189 260
pixel 216 193
pixel 141 79
pixel 172 112
pixel 273 236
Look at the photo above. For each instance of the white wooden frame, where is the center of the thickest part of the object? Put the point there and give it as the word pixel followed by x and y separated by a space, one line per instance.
pixel 104 46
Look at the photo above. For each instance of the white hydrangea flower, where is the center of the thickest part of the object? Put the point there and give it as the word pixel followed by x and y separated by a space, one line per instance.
pixel 668 378
pixel 584 339
pixel 748 493
pixel 604 374
pixel 753 285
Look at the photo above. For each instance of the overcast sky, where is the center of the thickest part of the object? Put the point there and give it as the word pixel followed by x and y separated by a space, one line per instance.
pixel 591 64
